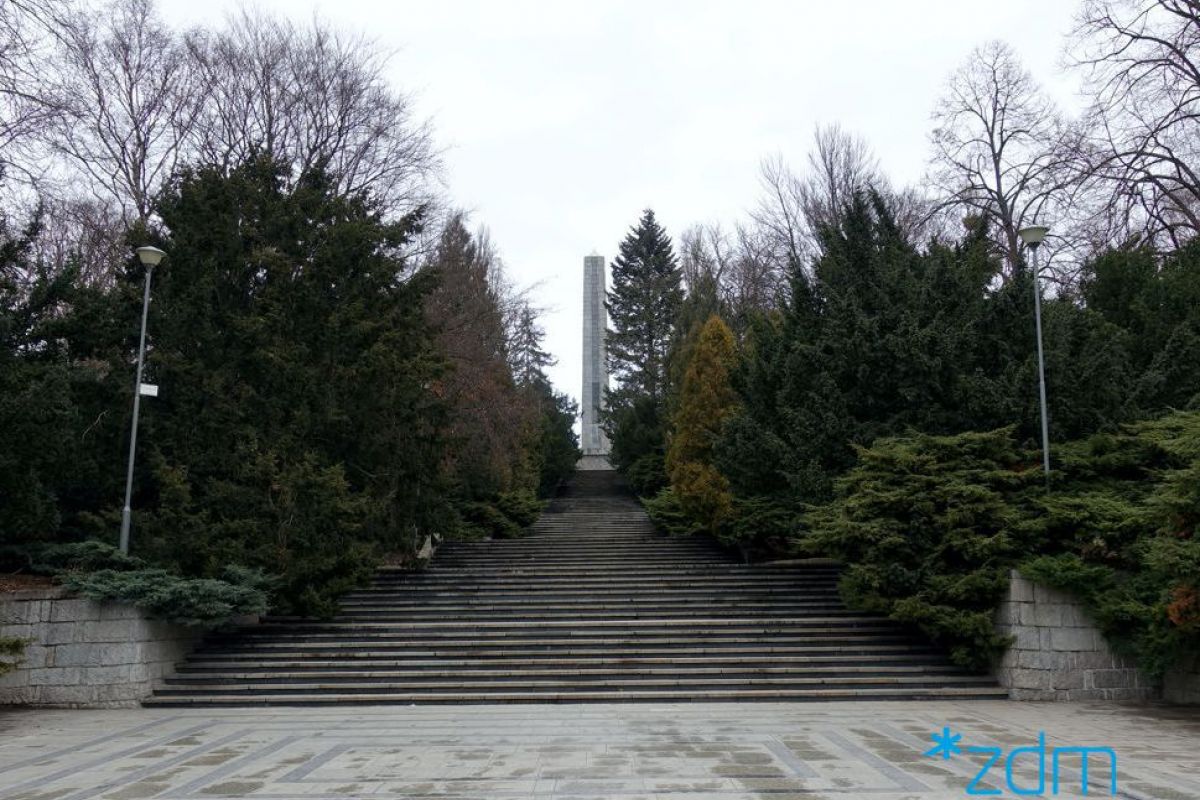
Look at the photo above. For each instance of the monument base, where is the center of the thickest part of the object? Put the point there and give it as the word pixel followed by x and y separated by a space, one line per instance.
pixel 593 461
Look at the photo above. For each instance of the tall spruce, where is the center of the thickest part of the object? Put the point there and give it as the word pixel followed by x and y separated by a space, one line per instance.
pixel 529 360
pixel 643 306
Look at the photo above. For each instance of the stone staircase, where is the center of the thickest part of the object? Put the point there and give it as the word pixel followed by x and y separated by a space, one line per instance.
pixel 592 606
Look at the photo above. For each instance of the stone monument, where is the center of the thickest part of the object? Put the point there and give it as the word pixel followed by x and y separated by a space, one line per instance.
pixel 595 368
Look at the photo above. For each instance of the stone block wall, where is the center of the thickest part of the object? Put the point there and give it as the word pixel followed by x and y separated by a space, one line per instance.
pixel 1182 684
pixel 84 653
pixel 1058 653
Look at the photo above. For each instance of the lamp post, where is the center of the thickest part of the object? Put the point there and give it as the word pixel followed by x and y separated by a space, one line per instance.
pixel 150 258
pixel 1033 237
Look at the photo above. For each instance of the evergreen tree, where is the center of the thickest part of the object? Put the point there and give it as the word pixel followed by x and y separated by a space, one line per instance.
pixel 1155 301
pixel 879 337
pixel 37 411
pixel 701 301
pixel 556 449
pixel 295 430
pixel 489 419
pixel 529 360
pixel 706 401
pixel 642 305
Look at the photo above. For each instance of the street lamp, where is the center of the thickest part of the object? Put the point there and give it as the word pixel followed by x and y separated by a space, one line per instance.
pixel 150 258
pixel 1033 236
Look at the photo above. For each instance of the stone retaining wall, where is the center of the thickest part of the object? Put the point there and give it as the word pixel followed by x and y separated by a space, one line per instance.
pixel 85 653
pixel 1059 654
pixel 1182 684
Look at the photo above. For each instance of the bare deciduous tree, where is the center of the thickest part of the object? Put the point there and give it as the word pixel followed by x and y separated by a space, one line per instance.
pixel 129 95
pixel 998 150
pixel 108 101
pixel 27 102
pixel 739 264
pixel 311 97
pixel 754 281
pixel 1141 59
pixel 840 164
pixel 780 215
pixel 85 232
pixel 796 207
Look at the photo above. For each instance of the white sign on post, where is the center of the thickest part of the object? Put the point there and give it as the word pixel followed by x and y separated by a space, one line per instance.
pixel 148 390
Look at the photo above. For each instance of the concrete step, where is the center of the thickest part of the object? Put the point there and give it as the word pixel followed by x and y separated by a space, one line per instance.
pixel 543 590
pixel 900 647
pixel 574 682
pixel 695 604
pixel 744 671
pixel 464 579
pixel 684 645
pixel 676 695
pixel 706 625
pixel 627 612
pixel 732 662
pixel 563 596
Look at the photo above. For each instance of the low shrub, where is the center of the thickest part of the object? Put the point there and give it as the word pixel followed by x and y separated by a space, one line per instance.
pixel 486 521
pixel 647 475
pixel 757 526
pixel 522 507
pixel 928 528
pixel 102 572
pixel 1119 532
pixel 762 526
pixel 196 602
pixel 928 531
pixel 49 559
pixel 668 514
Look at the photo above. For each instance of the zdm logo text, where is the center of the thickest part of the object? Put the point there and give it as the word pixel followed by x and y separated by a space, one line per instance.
pixel 986 781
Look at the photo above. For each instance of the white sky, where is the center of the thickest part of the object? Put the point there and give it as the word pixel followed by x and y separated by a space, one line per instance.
pixel 562 120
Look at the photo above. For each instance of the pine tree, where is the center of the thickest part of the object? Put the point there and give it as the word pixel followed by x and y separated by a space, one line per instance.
pixel 706 401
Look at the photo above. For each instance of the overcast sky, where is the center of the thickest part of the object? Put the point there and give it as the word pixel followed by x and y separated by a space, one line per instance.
pixel 562 120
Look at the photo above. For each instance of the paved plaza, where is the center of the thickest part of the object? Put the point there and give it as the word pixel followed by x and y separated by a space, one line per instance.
pixel 768 750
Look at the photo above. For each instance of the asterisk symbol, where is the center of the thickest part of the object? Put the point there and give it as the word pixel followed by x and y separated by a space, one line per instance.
pixel 946 744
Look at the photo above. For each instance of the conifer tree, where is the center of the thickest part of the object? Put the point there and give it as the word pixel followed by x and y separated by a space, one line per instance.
pixel 556 449
pixel 529 360
pixel 706 401
pixel 642 306
pixel 295 431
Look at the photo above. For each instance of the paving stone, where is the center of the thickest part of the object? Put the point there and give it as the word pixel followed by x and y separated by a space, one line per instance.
pixel 833 751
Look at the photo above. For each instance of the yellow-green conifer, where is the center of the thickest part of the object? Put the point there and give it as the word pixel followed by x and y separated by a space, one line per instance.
pixel 706 400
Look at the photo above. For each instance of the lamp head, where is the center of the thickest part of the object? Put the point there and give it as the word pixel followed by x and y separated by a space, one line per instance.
pixel 1033 235
pixel 150 256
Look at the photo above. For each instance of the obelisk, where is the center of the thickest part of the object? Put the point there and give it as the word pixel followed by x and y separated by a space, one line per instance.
pixel 595 369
